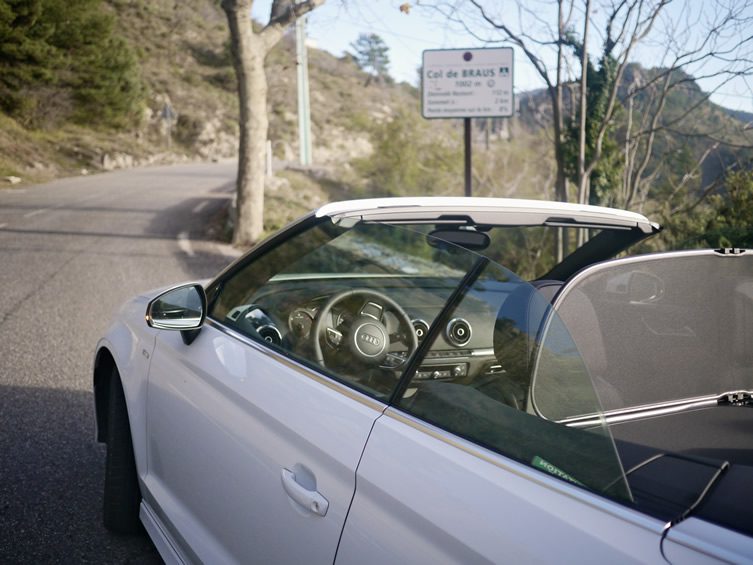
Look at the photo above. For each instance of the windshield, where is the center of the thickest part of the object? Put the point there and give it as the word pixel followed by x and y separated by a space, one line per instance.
pixel 529 251
pixel 372 250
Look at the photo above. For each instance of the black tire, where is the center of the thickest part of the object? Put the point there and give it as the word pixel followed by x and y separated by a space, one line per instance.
pixel 122 496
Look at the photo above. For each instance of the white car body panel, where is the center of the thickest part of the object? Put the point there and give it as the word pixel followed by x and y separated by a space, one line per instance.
pixel 130 342
pixel 483 210
pixel 422 499
pixel 165 545
pixel 225 417
pixel 698 541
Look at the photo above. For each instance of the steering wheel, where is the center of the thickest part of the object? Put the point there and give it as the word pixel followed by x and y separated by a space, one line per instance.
pixel 367 338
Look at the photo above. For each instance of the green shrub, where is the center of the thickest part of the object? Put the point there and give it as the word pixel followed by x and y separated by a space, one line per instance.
pixel 53 50
pixel 407 160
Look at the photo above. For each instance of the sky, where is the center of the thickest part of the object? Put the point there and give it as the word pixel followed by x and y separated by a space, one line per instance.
pixel 337 24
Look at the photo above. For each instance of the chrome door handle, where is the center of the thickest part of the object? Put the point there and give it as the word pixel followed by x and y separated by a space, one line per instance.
pixel 311 500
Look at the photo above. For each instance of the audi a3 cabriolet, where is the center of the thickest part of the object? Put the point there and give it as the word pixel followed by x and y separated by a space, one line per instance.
pixel 438 380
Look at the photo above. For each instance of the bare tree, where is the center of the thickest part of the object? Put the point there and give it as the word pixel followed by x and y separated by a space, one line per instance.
pixel 711 38
pixel 716 47
pixel 250 49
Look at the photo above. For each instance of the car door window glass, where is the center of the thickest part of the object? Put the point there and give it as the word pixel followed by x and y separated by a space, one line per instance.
pixel 345 301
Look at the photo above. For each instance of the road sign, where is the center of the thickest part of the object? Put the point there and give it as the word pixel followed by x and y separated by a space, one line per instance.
pixel 467 83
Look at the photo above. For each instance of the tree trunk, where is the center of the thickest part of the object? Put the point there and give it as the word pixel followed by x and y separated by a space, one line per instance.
pixel 252 153
pixel 560 183
pixel 249 52
pixel 253 145
pixel 248 60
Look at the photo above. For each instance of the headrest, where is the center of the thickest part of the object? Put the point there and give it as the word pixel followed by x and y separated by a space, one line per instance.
pixel 518 324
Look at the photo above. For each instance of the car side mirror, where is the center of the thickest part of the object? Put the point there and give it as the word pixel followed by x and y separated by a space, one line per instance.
pixel 181 308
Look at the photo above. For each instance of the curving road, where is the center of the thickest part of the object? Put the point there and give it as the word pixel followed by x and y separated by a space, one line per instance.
pixel 71 252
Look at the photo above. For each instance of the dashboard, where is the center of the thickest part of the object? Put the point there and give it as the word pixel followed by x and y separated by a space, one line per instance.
pixel 284 314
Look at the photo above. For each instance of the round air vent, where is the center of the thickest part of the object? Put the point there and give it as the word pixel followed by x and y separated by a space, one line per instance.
pixel 270 334
pixel 421 328
pixel 458 332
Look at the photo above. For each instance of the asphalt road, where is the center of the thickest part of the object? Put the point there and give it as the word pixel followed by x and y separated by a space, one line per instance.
pixel 71 252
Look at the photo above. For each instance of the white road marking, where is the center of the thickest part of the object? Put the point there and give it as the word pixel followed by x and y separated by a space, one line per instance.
pixel 200 206
pixel 35 212
pixel 185 244
pixel 61 205
pixel 2 226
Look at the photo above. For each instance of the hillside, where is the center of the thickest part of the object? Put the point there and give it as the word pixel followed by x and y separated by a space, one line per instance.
pixel 183 54
pixel 367 140
pixel 689 125
pixel 739 115
pixel 168 38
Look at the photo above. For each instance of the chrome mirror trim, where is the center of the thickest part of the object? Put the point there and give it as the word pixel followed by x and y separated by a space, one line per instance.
pixel 180 321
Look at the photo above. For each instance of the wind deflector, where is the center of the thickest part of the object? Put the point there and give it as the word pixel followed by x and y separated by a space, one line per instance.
pixel 668 340
pixel 674 326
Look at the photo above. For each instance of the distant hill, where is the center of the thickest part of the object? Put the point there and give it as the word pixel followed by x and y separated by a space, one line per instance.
pixel 739 115
pixel 183 51
pixel 705 125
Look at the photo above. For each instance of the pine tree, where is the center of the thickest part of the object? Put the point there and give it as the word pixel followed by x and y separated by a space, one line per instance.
pixel 60 60
pixel 371 54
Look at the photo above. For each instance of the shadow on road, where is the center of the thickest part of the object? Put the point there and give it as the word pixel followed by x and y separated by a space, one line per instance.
pixel 204 261
pixel 51 478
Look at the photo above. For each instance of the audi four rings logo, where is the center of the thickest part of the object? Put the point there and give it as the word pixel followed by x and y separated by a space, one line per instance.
pixel 369 339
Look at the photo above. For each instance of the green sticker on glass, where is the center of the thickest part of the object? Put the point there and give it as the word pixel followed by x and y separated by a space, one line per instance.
pixel 544 465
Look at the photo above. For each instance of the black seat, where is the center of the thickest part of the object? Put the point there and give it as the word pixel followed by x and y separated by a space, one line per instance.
pixel 516 331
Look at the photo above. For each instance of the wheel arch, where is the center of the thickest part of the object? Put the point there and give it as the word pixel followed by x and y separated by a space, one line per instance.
pixel 104 363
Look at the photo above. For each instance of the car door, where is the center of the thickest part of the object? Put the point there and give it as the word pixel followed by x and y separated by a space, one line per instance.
pixel 250 458
pixel 256 428
pixel 479 471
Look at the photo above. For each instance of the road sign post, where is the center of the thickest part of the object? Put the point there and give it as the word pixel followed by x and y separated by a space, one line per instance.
pixel 468 146
pixel 467 83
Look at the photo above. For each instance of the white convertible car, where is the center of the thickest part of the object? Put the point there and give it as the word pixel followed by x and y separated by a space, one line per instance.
pixel 375 384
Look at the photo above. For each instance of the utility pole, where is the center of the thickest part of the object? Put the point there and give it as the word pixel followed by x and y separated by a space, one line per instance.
pixel 304 111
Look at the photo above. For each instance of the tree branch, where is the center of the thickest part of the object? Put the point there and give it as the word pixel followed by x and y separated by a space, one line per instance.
pixel 275 29
pixel 517 40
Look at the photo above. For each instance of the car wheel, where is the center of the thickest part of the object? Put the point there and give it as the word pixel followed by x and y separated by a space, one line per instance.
pixel 122 496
